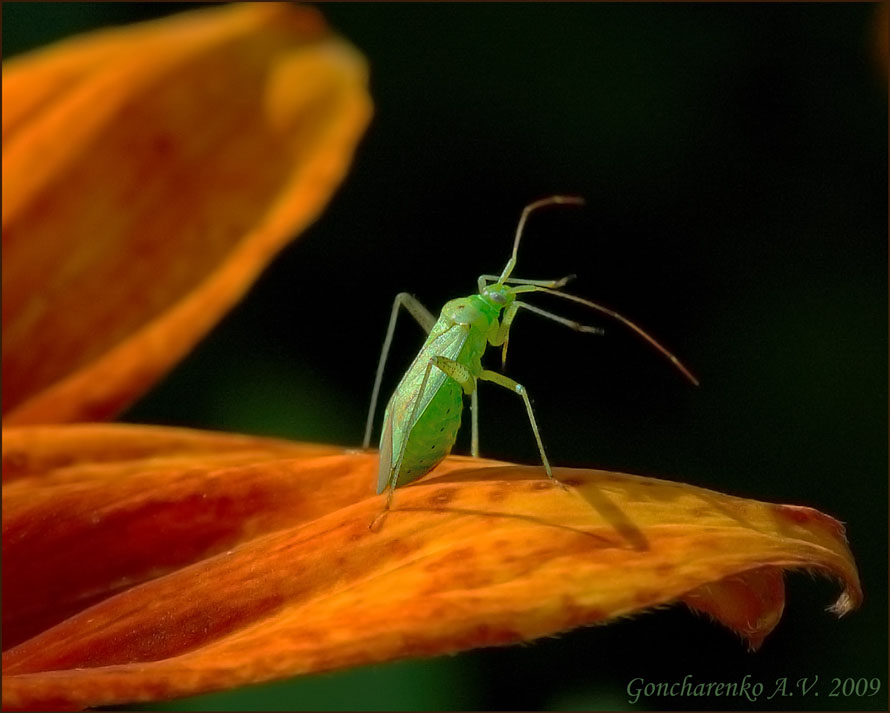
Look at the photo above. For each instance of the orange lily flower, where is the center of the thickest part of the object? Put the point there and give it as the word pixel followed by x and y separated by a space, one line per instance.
pixel 144 563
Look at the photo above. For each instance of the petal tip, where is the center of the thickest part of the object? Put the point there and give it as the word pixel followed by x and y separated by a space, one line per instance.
pixel 847 602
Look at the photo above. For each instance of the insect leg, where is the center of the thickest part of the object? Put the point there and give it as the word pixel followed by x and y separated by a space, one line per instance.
pixel 424 318
pixel 382 513
pixel 457 371
pixel 474 418
pixel 502 336
pixel 518 388
pixel 571 324
pixel 550 284
pixel 463 376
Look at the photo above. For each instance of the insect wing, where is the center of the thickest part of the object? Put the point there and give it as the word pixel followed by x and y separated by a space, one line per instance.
pixel 449 344
pixel 448 341
pixel 384 472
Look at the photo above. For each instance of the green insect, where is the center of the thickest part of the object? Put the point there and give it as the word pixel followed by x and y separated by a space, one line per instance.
pixel 423 416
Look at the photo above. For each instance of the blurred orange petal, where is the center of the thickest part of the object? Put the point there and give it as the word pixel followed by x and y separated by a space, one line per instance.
pixel 169 577
pixel 149 174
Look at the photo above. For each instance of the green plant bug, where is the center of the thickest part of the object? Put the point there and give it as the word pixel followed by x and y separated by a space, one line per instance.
pixel 422 418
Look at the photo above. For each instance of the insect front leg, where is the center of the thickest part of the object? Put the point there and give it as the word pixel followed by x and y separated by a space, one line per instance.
pixel 549 284
pixel 570 323
pixel 424 318
pixel 502 336
pixel 518 388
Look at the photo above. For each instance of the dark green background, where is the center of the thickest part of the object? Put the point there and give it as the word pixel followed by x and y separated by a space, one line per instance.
pixel 735 162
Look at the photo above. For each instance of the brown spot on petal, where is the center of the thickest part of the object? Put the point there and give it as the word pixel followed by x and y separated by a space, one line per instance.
pixel 459 556
pixel 442 497
pixel 497 494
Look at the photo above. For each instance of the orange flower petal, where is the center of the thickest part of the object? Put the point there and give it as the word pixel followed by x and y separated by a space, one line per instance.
pixel 38 451
pixel 216 576
pixel 82 519
pixel 149 173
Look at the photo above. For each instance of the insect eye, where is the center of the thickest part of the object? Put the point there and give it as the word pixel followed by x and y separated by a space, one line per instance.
pixel 498 297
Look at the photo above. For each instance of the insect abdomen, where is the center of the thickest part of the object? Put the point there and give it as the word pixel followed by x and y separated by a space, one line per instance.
pixel 434 434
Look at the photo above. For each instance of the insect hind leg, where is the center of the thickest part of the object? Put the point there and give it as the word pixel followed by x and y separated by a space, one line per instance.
pixel 424 318
pixel 386 507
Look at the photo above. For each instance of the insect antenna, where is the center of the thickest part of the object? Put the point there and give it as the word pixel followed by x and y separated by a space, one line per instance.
pixel 621 318
pixel 528 210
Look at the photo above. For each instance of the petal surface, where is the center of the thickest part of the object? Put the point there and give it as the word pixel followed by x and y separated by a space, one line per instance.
pixel 149 174
pixel 212 576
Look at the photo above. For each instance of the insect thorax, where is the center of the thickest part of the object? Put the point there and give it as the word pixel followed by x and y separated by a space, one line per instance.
pixel 474 310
